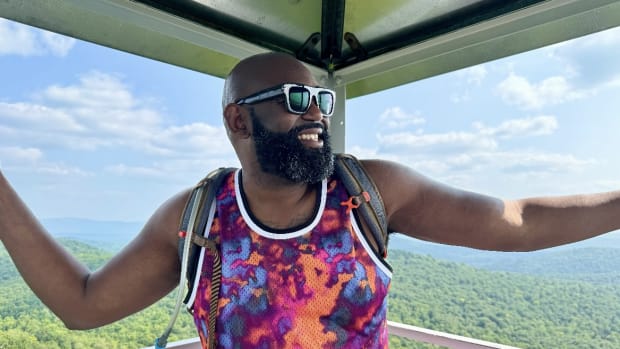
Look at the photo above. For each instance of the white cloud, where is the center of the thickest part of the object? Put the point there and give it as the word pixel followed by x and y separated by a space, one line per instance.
pixel 460 157
pixel 19 154
pixel 16 39
pixel 395 117
pixel 95 90
pixel 22 40
pixel 438 142
pixel 362 152
pixel 615 82
pixel 483 138
pixel 519 91
pixel 188 167
pixel 463 168
pixel 473 75
pixel 466 77
pixel 101 112
pixel 528 162
pixel 536 126
pixel 460 97
pixel 592 61
pixel 140 171
pixel 210 139
pixel 62 170
pixel 56 44
pixel 37 116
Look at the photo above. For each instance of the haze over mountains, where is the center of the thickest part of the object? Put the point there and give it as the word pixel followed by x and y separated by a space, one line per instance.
pixel 110 235
pixel 598 257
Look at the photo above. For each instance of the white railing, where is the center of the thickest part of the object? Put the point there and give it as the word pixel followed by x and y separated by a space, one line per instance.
pixel 397 329
pixel 192 343
pixel 447 340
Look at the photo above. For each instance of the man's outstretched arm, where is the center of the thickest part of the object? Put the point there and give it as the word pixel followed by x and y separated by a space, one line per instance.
pixel 422 208
pixel 143 272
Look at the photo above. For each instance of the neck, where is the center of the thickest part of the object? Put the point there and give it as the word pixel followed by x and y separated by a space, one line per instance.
pixel 271 187
pixel 277 202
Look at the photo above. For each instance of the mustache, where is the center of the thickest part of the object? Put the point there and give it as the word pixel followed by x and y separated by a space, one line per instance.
pixel 298 129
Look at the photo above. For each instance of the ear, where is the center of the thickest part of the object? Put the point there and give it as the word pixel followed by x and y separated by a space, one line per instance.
pixel 236 120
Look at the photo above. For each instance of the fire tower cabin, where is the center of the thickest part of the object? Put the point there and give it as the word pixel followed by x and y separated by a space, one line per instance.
pixel 354 47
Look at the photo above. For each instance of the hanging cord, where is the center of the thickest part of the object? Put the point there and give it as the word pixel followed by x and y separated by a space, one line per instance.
pixel 162 341
pixel 216 282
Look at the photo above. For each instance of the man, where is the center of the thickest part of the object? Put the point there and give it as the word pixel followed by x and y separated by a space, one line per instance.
pixel 295 271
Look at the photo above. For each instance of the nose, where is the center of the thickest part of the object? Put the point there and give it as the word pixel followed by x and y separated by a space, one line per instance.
pixel 313 113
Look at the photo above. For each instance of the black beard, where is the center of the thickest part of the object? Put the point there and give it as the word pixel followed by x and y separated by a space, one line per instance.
pixel 282 153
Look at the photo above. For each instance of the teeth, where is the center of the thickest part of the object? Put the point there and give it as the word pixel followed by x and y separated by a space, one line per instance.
pixel 309 137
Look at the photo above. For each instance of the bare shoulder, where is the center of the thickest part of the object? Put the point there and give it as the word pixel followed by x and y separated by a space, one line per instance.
pixel 156 245
pixel 381 169
pixel 164 222
pixel 423 208
pixel 406 193
pixel 397 183
pixel 392 177
pixel 154 250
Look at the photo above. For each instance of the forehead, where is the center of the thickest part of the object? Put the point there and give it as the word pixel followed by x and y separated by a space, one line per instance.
pixel 275 71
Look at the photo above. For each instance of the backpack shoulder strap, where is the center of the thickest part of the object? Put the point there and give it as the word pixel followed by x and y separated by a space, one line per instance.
pixel 194 221
pixel 191 233
pixel 368 202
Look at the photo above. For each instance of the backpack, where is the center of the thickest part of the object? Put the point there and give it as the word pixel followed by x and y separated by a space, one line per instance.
pixel 364 200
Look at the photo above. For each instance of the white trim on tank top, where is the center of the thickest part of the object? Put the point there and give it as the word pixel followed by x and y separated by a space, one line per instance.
pixel 276 236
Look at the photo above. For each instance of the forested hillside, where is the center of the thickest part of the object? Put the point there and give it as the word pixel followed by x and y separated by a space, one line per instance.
pixel 26 324
pixel 508 308
pixel 524 311
pixel 596 260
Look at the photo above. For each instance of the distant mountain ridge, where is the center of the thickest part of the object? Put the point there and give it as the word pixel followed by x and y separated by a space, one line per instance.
pixel 595 260
pixel 110 235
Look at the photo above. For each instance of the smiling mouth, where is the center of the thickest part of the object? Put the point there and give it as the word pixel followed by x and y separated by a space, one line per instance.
pixel 309 137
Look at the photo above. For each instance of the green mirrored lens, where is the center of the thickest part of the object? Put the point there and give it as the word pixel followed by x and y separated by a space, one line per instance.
pixel 326 102
pixel 299 99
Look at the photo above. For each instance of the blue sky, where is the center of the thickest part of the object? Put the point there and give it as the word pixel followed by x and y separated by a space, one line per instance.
pixel 90 132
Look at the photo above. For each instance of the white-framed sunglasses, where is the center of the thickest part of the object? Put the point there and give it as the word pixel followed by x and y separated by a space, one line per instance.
pixel 297 97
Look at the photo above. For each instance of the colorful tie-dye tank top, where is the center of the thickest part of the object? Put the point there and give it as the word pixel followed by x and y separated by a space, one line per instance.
pixel 319 286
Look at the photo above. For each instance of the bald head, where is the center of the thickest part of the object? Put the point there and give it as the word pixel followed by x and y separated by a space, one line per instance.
pixel 270 150
pixel 261 71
